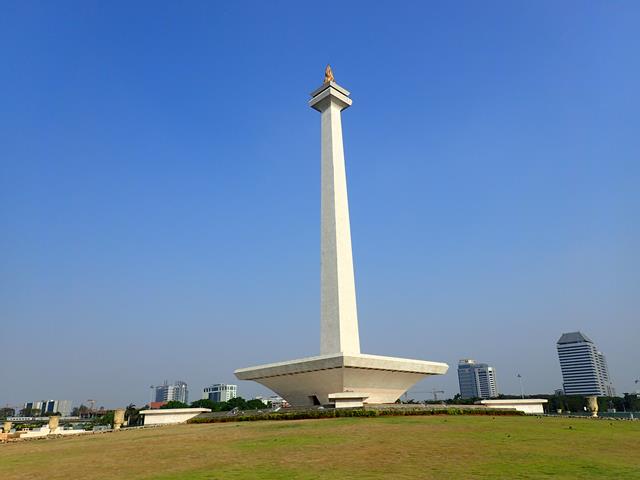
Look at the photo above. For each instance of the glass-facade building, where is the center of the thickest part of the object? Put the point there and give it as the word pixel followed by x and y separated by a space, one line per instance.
pixel 476 380
pixel 584 368
pixel 178 391
pixel 44 407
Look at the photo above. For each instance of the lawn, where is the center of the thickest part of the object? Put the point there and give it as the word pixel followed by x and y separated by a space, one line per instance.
pixel 439 447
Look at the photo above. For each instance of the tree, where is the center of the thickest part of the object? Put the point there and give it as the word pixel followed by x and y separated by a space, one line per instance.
pixel 79 411
pixel 106 419
pixel 631 402
pixel 256 404
pixel 236 402
pixel 7 412
pixel 175 404
pixel 26 412
pixel 206 403
pixel 132 415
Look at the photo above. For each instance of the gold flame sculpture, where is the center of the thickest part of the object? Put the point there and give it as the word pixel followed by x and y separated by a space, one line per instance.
pixel 328 74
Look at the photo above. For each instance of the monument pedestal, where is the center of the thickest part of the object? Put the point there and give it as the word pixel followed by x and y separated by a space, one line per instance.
pixel 348 399
pixel 310 381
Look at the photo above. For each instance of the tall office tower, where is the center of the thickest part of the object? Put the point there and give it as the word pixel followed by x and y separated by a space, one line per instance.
pixel 477 380
pixel 43 407
pixel 178 392
pixel 584 368
pixel 32 409
pixel 220 392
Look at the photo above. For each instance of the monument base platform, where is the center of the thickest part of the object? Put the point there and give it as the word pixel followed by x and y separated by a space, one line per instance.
pixel 310 381
pixel 165 416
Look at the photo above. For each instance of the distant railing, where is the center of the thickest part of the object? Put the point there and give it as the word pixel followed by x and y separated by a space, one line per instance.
pixel 41 419
pixel 629 415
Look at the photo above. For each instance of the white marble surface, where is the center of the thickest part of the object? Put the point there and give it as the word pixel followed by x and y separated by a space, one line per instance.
pixel 45 431
pixel 527 405
pixel 384 379
pixel 338 311
pixel 348 399
pixel 162 416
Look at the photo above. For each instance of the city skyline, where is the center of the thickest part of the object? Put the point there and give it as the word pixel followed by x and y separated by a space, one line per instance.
pixel 416 393
pixel 150 182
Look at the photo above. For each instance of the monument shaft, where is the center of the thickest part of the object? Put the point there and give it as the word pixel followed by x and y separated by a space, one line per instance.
pixel 340 376
pixel 338 316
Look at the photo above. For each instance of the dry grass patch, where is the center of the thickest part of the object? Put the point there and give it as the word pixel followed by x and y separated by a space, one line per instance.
pixel 345 448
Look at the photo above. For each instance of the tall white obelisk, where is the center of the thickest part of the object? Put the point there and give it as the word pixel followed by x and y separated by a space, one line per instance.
pixel 338 316
pixel 340 376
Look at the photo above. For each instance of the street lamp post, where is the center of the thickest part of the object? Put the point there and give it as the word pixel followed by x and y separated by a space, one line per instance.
pixel 521 387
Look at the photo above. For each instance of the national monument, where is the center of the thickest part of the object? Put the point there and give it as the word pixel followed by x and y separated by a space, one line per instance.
pixel 340 375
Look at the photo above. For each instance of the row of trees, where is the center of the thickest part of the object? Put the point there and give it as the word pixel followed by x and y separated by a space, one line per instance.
pixel 576 403
pixel 567 403
pixel 7 412
pixel 237 402
pixel 133 417
pixel 132 413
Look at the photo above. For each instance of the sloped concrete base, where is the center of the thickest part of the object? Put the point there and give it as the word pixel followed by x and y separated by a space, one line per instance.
pixel 309 381
pixel 165 416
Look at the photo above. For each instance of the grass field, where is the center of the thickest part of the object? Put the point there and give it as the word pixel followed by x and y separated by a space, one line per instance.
pixel 439 447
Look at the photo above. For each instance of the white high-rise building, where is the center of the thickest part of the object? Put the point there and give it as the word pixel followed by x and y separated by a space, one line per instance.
pixel 178 392
pixel 220 392
pixel 584 368
pixel 43 407
pixel 477 380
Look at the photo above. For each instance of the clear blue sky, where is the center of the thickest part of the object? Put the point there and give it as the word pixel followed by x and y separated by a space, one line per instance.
pixel 159 188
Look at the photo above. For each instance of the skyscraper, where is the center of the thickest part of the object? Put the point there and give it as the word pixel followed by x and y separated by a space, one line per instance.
pixel 44 407
pixel 584 368
pixel 477 380
pixel 178 392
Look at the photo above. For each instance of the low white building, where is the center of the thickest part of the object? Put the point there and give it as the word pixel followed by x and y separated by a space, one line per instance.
pixel 167 416
pixel 46 431
pixel 527 405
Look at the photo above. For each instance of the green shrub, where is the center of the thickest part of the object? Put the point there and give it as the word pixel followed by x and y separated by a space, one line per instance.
pixel 350 412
